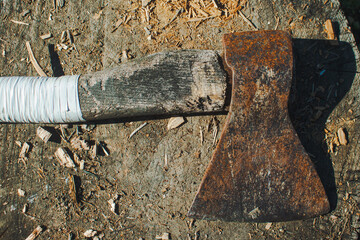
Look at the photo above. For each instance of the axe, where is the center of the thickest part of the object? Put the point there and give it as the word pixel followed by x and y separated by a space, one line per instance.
pixel 259 171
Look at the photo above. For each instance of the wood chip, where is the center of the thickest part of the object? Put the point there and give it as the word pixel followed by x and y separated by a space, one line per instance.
pixel 90 233
pixel 72 189
pixel 33 60
pixel 215 130
pixel 164 236
pixel 215 133
pixel 103 148
pixel 61 46
pixel 82 165
pixel 63 132
pixel 88 127
pixel 24 150
pixel 64 158
pixel 24 210
pixel 21 192
pixel 24 13
pixel 18 22
pixel 342 136
pixel 124 56
pixel 127 19
pixel 166 162
pixel 113 205
pixel 147 14
pixel 43 134
pixel 78 143
pixel 201 136
pixel 17 142
pixel 138 129
pixel 98 15
pixel 93 151
pixel 329 30
pixel 268 226
pixel 175 122
pixel 215 12
pixel 336 141
pixel 35 233
pixel 46 36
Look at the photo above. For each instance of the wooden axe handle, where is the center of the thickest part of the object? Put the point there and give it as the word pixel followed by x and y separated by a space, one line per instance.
pixel 166 83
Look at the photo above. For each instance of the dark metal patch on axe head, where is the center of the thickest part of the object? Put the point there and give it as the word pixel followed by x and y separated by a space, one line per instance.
pixel 259 171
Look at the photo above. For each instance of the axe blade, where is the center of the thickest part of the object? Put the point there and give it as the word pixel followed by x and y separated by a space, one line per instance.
pixel 259 171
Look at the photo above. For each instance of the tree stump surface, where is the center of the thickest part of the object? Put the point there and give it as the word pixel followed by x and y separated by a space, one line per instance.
pixel 153 176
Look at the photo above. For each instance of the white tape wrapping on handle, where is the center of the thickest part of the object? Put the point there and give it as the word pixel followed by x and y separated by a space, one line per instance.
pixel 40 99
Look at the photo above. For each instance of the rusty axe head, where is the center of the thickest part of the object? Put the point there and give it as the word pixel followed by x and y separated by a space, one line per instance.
pixel 259 171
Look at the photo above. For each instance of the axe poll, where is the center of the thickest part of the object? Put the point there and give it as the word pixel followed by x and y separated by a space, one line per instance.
pixel 259 171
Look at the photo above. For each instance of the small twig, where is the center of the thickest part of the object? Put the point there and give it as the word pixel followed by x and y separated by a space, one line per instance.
pixel 147 13
pixel 247 20
pixel 35 233
pixel 215 133
pixel 18 22
pixel 175 16
pixel 277 22
pixel 166 166
pixel 33 60
pixel 63 133
pixel 104 149
pixel 89 203
pixel 72 189
pixel 138 129
pixel 200 19
pixel 201 136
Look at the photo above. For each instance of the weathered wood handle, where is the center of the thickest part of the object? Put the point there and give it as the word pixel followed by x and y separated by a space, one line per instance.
pixel 166 83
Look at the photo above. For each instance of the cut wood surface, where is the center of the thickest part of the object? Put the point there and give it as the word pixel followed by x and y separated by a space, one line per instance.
pixel 156 172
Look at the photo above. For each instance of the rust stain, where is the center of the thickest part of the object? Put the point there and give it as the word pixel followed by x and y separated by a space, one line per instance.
pixel 259 171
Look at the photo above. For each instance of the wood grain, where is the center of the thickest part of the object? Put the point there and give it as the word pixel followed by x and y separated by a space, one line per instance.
pixel 166 83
